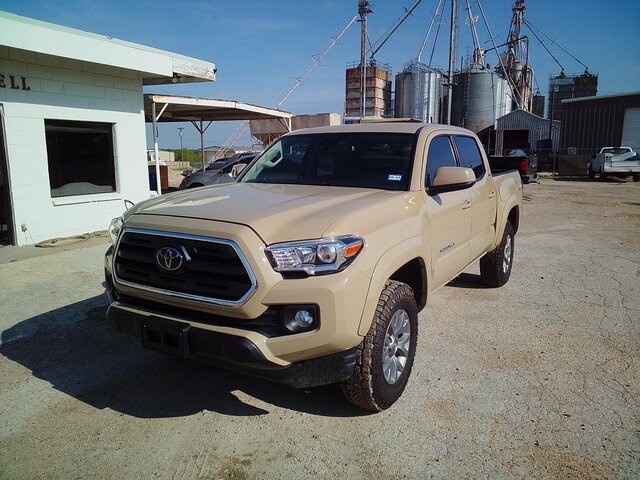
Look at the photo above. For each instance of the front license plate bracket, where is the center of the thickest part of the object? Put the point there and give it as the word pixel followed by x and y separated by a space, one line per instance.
pixel 166 336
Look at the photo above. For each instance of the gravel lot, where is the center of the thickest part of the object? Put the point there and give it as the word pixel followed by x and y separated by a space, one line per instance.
pixel 538 379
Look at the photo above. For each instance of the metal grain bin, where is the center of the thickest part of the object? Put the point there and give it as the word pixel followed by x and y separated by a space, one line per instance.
pixel 479 97
pixel 419 93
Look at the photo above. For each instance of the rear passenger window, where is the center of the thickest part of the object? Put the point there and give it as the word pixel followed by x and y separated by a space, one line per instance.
pixel 440 155
pixel 469 154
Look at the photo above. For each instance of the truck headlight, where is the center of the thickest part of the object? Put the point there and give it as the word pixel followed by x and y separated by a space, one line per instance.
pixel 114 229
pixel 315 257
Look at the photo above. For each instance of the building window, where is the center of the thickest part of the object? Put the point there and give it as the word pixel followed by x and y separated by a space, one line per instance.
pixel 80 158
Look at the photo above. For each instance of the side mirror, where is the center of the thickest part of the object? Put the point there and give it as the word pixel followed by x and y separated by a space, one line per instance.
pixel 449 179
pixel 237 169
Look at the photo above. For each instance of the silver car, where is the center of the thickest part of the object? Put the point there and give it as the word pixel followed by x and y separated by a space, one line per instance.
pixel 217 172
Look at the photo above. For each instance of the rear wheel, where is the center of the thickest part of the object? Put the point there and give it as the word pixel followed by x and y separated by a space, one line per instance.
pixel 385 357
pixel 592 174
pixel 636 178
pixel 495 266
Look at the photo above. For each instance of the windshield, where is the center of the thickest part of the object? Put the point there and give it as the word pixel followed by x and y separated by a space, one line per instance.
pixel 616 151
pixel 366 160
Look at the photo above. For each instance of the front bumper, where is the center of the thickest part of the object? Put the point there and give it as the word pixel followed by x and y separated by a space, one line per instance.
pixel 245 337
pixel 230 351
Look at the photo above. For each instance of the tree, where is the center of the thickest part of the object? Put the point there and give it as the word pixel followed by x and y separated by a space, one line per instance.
pixel 186 155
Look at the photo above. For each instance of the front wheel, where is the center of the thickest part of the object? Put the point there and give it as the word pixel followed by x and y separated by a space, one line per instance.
pixel 495 266
pixel 385 357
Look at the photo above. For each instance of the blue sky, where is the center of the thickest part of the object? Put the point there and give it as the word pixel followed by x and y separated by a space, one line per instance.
pixel 259 47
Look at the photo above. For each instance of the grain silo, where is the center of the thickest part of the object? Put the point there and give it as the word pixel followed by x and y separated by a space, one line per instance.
pixel 418 93
pixel 479 97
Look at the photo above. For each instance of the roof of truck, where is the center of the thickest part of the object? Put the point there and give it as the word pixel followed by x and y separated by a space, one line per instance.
pixel 382 127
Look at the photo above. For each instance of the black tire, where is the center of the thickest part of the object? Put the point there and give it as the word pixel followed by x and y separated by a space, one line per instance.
pixel 495 266
pixel 592 174
pixel 368 388
pixel 195 185
pixel 603 176
pixel 636 178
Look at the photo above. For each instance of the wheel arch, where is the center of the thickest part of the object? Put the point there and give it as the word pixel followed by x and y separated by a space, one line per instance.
pixel 414 274
pixel 511 213
pixel 514 218
pixel 405 263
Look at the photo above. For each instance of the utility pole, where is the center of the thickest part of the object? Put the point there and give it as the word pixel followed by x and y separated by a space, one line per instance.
pixel 181 149
pixel 452 44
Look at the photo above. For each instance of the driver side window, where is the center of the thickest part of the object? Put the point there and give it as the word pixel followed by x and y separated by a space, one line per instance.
pixel 440 154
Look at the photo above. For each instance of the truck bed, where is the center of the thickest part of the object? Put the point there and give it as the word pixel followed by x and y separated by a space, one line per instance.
pixel 526 166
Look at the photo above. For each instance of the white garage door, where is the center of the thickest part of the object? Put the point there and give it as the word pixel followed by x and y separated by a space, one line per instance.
pixel 631 129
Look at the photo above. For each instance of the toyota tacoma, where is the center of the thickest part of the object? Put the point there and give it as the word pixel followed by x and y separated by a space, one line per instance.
pixel 312 267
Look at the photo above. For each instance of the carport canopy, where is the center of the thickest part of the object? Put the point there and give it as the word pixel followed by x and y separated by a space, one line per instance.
pixel 173 108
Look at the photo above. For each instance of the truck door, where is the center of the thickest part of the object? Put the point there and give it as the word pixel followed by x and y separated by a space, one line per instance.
pixel 449 225
pixel 483 195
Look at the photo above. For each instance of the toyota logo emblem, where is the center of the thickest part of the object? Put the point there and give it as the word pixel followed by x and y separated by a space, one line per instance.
pixel 170 259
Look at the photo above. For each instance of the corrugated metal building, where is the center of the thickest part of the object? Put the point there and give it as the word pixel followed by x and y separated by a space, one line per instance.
pixel 591 123
pixel 524 130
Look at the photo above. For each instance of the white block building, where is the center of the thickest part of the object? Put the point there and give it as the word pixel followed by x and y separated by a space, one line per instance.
pixel 72 126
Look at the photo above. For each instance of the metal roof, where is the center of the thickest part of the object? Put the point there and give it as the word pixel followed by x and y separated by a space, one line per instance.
pixel 155 66
pixel 172 108
pixel 520 119
pixel 384 127
pixel 600 97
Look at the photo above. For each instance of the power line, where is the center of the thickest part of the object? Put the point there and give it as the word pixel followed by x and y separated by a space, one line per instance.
pixel 531 27
pixel 317 60
pixel 544 46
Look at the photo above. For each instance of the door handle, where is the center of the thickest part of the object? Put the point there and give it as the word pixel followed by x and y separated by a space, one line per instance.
pixel 466 205
pixel 492 195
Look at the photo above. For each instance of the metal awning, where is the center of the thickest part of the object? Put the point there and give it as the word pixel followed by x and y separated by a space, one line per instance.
pixel 172 108
pixel 191 109
pixel 154 66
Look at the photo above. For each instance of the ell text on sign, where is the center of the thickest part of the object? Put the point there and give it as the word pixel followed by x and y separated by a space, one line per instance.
pixel 13 81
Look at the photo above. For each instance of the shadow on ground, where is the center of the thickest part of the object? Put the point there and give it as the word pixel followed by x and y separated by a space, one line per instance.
pixel 467 280
pixel 74 350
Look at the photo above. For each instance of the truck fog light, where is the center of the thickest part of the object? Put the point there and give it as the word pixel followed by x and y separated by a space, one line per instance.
pixel 299 318
pixel 303 318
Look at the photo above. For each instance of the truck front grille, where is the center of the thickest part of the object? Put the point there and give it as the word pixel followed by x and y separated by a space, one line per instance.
pixel 209 269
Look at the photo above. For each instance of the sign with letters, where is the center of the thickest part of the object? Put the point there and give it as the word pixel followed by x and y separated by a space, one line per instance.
pixel 14 82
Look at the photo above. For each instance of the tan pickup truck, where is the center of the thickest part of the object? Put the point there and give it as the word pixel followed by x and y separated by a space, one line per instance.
pixel 311 269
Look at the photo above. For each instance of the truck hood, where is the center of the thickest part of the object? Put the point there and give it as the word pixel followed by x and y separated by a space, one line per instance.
pixel 277 213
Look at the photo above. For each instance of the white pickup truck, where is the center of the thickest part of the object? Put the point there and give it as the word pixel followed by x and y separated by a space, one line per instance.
pixel 615 162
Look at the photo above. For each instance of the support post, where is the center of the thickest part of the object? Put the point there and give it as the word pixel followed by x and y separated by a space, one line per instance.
pixel 452 45
pixel 156 154
pixel 201 130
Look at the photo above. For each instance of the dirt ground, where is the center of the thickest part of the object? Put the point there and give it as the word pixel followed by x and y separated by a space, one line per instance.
pixel 538 379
